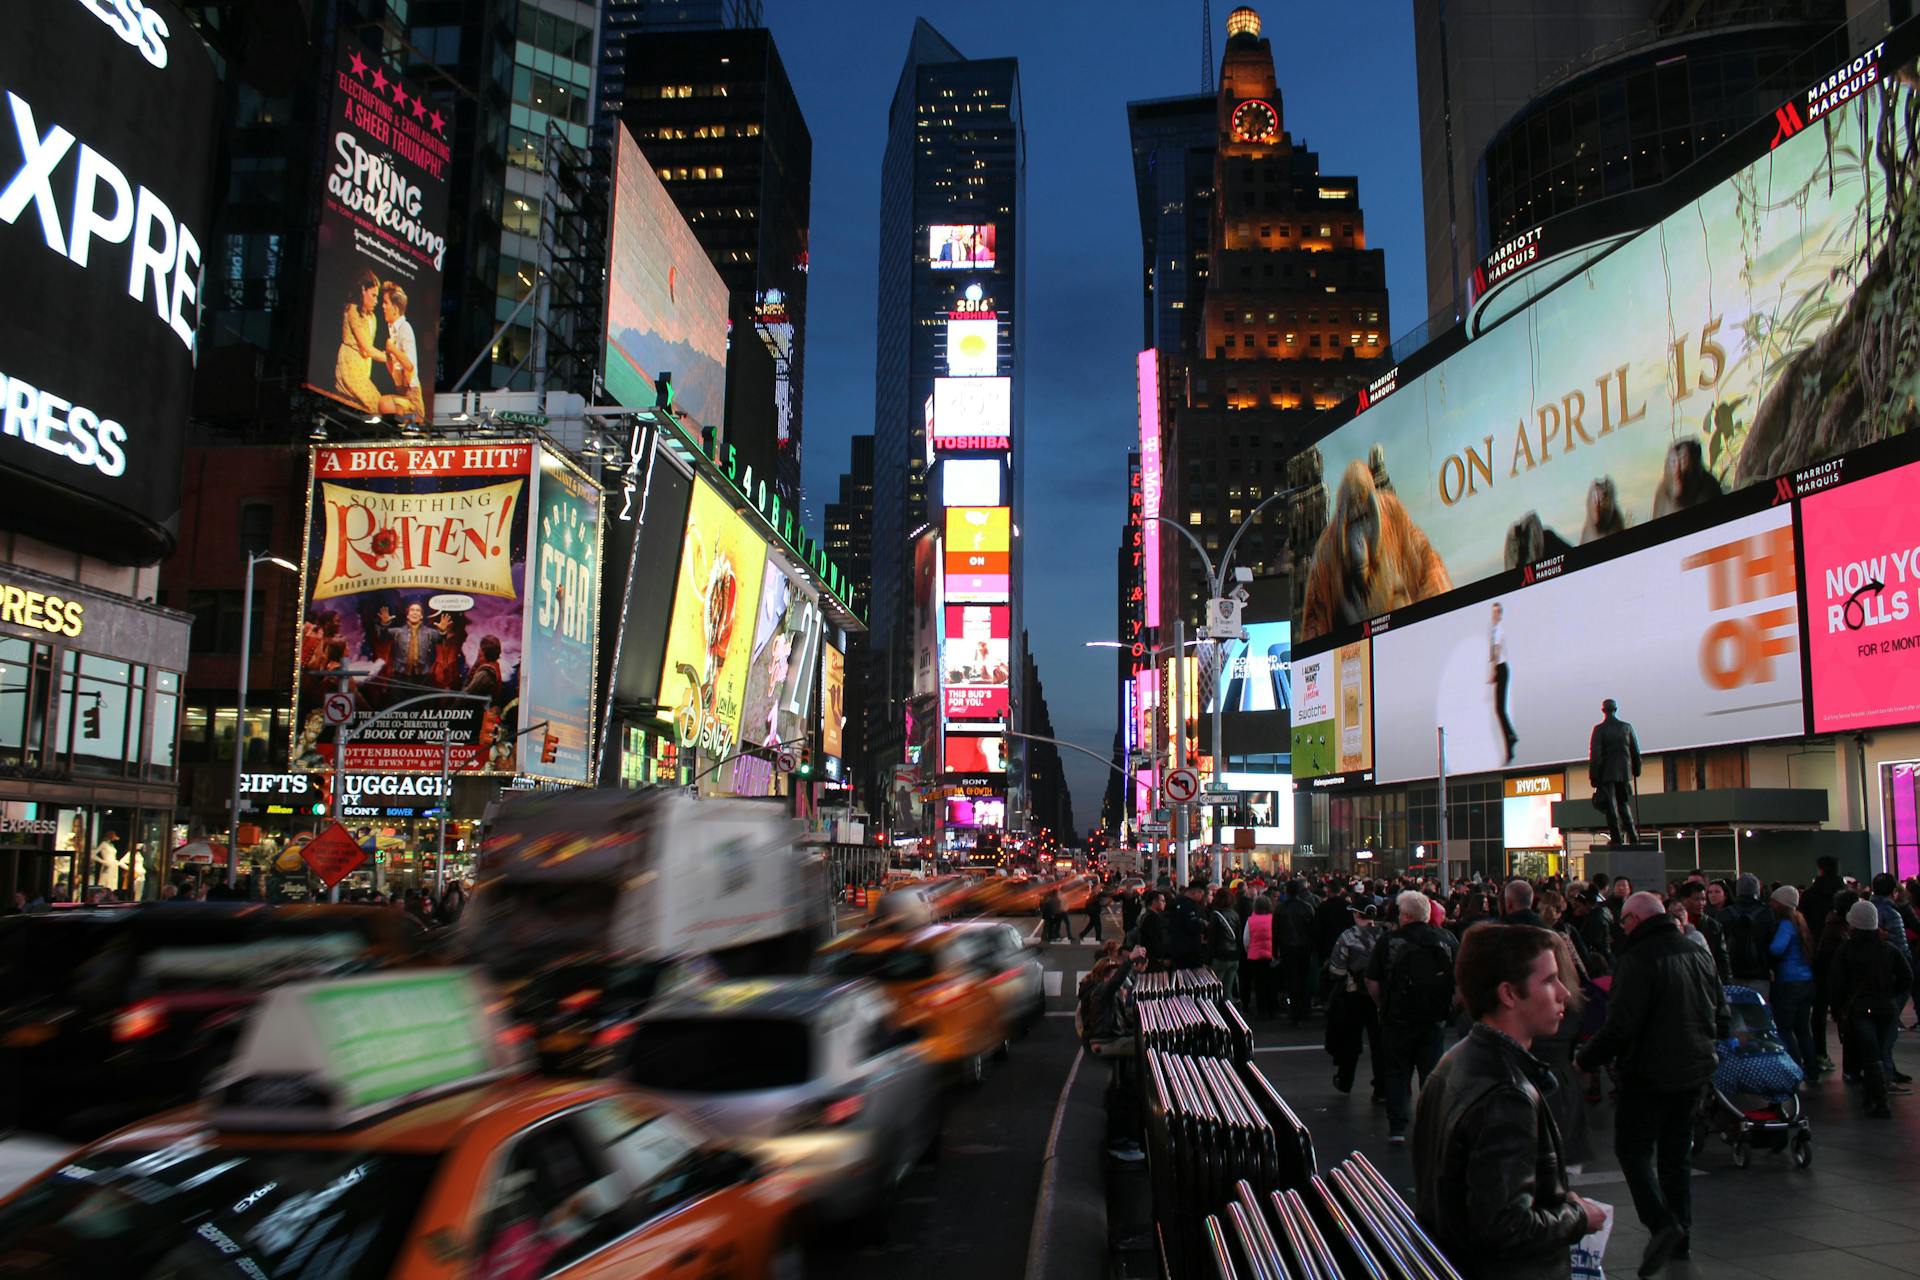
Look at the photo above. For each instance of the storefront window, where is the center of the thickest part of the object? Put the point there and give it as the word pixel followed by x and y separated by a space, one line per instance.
pixel 1901 826
pixel 16 681
pixel 166 718
pixel 95 706
pixel 193 735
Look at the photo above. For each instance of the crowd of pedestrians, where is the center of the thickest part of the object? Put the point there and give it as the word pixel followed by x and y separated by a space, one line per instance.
pixel 1554 997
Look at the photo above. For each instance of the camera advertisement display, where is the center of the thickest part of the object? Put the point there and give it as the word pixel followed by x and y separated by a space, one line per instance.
pixel 106 161
pixel 1697 639
pixel 703 684
pixel 977 661
pixel 381 241
pixel 1861 542
pixel 1739 339
pixel 415 582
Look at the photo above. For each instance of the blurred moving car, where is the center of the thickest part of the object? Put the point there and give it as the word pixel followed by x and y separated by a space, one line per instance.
pixel 1013 969
pixel 590 904
pixel 937 979
pixel 811 1074
pixel 374 1127
pixel 108 1015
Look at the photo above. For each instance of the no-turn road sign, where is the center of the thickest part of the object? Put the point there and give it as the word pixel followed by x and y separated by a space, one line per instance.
pixel 338 707
pixel 1182 785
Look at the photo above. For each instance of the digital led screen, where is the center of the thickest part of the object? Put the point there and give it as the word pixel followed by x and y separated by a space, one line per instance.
pixel 833 700
pixel 1526 811
pixel 1717 661
pixel 973 348
pixel 970 411
pixel 780 685
pixel 1266 804
pixel 666 304
pixel 1333 712
pixel 710 641
pixel 1862 546
pixel 563 620
pixel 104 244
pixel 1732 342
pixel 971 482
pixel 976 812
pixel 976 661
pixel 977 553
pixel 950 247
pixel 976 753
pixel 1255 675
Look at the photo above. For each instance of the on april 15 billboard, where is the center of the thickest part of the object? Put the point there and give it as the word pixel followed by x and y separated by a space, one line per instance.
pixel 1699 642
pixel 1861 543
pixel 414 581
pixel 978 661
pixel 563 623
pixel 703 685
pixel 382 241
pixel 1739 339
pixel 666 305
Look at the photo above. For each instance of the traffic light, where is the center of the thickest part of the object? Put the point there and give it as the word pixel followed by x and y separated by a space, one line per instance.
pixel 90 719
pixel 806 762
pixel 549 747
pixel 323 803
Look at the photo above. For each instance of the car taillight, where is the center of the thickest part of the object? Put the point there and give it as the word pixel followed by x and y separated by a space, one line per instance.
pixel 140 1021
pixel 840 1111
pixel 612 1034
pixel 946 995
pixel 582 999
pixel 515 1033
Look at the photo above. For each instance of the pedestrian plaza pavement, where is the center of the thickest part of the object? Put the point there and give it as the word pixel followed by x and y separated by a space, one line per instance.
pixel 1854 1215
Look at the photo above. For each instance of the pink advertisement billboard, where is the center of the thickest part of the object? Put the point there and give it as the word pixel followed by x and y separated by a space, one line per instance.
pixel 1862 548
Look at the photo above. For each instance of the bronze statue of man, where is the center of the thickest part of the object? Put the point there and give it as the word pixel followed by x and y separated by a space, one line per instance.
pixel 1613 763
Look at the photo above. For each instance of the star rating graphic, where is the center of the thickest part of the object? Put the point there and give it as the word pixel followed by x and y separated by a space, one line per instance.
pixel 411 103
pixel 357 66
pixel 379 78
pixel 399 94
pixel 419 109
pixel 439 123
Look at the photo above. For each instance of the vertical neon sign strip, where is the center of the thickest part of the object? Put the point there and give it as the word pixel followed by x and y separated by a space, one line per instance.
pixel 1149 375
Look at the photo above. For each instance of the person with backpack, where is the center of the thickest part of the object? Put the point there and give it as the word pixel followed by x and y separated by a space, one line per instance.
pixel 1350 1011
pixel 1748 927
pixel 1868 981
pixel 1410 977
pixel 1224 931
pixel 1293 949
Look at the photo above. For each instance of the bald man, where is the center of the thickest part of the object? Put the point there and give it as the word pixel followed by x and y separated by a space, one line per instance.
pixel 1664 1013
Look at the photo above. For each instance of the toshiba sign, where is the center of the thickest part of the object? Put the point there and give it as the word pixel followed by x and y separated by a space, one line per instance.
pixel 106 134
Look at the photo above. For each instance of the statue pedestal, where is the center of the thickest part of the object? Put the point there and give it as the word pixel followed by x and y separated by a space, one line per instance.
pixel 1643 864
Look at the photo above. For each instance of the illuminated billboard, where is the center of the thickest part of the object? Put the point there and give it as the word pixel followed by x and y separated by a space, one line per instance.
pixel 557 677
pixel 786 646
pixel 1147 371
pixel 973 348
pixel 703 681
pixel 977 661
pixel 978 560
pixel 833 700
pixel 981 811
pixel 415 580
pixel 1255 675
pixel 972 413
pixel 1333 714
pixel 971 482
pixel 1863 601
pixel 951 247
pixel 1526 811
pixel 105 245
pixel 976 753
pixel 381 241
pixel 1717 661
pixel 1732 342
pixel 666 305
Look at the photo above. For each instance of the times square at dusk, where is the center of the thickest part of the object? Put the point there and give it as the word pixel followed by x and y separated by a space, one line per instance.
pixel 772 637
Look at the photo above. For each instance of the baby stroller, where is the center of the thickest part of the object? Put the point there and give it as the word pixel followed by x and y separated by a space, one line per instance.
pixel 1754 1100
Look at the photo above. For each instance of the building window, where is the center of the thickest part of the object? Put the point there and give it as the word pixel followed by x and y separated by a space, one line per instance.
pixel 256 527
pixel 1193 518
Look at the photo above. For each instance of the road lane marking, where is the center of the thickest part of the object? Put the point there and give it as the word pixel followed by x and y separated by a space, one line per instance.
pixel 1037 1241
pixel 1053 983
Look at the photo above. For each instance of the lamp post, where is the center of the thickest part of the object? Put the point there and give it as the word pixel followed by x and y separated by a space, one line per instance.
pixel 1178 707
pixel 240 711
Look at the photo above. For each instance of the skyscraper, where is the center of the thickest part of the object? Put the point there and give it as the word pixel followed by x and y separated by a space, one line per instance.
pixel 715 114
pixel 848 539
pixel 622 19
pixel 1173 146
pixel 949 334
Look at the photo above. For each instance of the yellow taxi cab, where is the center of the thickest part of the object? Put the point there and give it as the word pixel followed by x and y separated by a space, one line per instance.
pixel 378 1127
pixel 939 984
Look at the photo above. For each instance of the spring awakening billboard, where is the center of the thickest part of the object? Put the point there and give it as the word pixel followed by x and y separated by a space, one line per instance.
pixel 666 305
pixel 563 622
pixel 703 684
pixel 1768 324
pixel 382 242
pixel 414 582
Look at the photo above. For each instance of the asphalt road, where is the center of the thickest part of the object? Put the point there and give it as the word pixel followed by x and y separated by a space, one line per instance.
pixel 969 1212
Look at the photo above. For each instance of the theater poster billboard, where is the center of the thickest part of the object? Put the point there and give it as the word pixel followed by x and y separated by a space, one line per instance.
pixel 382 240
pixel 414 582
pixel 786 648
pixel 1750 333
pixel 703 684
pixel 562 622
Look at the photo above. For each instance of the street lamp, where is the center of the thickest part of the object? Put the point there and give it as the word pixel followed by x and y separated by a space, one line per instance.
pixel 1153 653
pixel 240 711
pixel 1217 582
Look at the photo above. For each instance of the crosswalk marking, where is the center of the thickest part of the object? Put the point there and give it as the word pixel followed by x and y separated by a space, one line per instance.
pixel 1054 977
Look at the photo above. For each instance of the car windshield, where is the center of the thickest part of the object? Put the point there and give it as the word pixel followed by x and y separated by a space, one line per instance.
pixel 882 966
pixel 721 1055
pixel 543 918
pixel 195 1210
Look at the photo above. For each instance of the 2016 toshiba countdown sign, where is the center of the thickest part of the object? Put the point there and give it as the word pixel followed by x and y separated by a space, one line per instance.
pixel 104 210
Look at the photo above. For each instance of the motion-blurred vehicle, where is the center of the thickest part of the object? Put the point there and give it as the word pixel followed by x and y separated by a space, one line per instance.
pixel 1013 969
pixel 813 1075
pixel 590 904
pixel 937 979
pixel 377 1127
pixel 109 1015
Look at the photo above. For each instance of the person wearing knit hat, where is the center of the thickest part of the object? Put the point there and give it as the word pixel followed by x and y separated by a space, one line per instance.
pixel 1867 981
pixel 1747 926
pixel 1791 950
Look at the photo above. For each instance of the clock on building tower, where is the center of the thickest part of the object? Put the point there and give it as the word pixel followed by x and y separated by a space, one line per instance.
pixel 1255 121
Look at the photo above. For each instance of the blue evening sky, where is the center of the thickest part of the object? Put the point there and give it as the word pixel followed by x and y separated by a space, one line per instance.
pixel 1347 84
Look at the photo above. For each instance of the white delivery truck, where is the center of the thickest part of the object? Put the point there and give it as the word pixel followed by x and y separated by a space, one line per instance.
pixel 588 904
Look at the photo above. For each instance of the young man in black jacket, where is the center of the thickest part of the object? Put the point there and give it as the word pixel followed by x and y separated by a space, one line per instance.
pixel 1489 1170
pixel 1866 983
pixel 1664 1013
